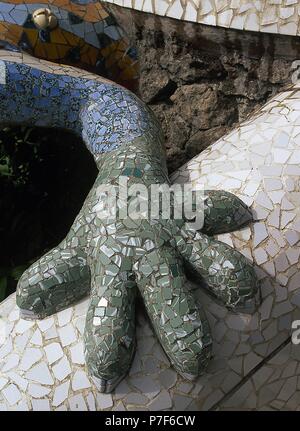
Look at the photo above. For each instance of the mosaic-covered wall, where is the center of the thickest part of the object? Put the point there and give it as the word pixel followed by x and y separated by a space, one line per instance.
pixel 267 16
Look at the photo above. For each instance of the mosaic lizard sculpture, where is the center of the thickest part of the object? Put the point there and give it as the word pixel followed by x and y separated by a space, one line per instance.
pixel 114 261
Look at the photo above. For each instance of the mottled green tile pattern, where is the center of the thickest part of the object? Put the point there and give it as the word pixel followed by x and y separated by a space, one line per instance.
pixel 146 256
pixel 224 212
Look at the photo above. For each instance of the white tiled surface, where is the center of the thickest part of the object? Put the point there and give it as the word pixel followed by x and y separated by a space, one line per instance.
pixel 275 386
pixel 269 16
pixel 38 373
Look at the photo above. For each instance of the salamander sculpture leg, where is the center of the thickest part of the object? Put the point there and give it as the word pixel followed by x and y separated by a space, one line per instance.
pixel 116 258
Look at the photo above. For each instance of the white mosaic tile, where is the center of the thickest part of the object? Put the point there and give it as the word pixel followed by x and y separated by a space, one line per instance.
pixel 77 403
pixel 23 325
pixel 80 381
pixel 67 335
pixel 45 324
pixel 18 380
pixel 36 339
pixel 40 374
pixel 62 369
pixel 11 361
pixel 40 405
pixel 53 352
pixel 37 391
pixel 12 394
pixel 77 353
pixel 60 394
pixel 64 317
pixel 30 357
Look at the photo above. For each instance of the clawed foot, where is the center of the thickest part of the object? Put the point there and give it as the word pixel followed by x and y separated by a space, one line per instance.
pixel 114 261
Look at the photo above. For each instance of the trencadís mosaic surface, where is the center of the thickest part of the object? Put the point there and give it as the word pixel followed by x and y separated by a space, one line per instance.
pixel 112 261
pixel 266 16
pixel 78 33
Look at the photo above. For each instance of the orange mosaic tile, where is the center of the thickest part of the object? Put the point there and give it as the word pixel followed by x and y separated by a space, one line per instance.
pixel 91 12
pixel 10 32
pixel 86 36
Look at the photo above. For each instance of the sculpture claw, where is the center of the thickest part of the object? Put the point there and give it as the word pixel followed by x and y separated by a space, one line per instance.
pixel 107 386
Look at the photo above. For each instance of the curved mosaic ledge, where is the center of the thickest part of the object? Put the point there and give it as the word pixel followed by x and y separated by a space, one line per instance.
pixel 267 16
pixel 259 161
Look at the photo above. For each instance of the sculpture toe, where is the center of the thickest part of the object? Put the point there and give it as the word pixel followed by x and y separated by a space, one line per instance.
pixel 57 280
pixel 110 328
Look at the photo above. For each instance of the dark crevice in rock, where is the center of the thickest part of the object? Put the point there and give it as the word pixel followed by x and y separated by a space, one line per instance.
pixel 164 93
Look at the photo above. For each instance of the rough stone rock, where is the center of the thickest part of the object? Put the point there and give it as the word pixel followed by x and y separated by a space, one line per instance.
pixel 202 139
pixel 200 80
